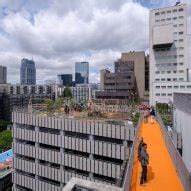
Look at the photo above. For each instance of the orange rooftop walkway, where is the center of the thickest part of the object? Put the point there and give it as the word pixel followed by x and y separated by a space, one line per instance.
pixel 162 174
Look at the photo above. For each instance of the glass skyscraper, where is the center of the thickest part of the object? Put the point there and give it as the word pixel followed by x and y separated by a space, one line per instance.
pixel 82 72
pixel 27 72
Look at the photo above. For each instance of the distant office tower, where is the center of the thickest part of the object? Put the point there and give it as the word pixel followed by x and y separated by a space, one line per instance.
pixel 168 53
pixel 3 75
pixel 65 79
pixel 82 72
pixel 27 72
pixel 129 80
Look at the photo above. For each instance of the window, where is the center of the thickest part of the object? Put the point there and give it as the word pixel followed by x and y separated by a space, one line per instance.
pixel 169 64
pixel 181 25
pixel 162 20
pixel 169 87
pixel 175 32
pixel 168 72
pixel 157 21
pixel 163 94
pixel 181 48
pixel 181 17
pixel 181 56
pixel 163 79
pixel 189 86
pixel 157 94
pixel 174 25
pixel 168 79
pixel 162 72
pixel 181 40
pixel 175 87
pixel 174 71
pixel 169 94
pixel 181 32
pixel 157 79
pixel 157 87
pixel 163 12
pixel 181 9
pixel 174 18
pixel 169 11
pixel 181 79
pixel 174 64
pixel 168 19
pixel 163 87
pixel 181 71
pixel 175 10
pixel 181 63
pixel 182 87
pixel 157 72
pixel 157 13
pixel 174 79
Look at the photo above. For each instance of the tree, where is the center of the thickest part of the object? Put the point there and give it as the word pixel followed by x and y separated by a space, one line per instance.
pixel 67 93
pixel 50 105
pixel 3 125
pixel 58 103
pixel 5 140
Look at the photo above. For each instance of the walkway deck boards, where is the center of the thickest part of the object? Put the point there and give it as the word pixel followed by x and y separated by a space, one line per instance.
pixel 162 174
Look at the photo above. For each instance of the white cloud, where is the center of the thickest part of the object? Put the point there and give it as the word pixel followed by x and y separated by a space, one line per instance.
pixel 59 35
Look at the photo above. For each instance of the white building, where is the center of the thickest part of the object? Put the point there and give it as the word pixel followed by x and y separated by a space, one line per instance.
pixel 81 93
pixel 168 53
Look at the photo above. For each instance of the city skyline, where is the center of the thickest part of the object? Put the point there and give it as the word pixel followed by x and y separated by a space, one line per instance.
pixel 24 34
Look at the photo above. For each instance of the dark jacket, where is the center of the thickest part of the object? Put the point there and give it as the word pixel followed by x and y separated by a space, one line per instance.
pixel 144 157
pixel 139 150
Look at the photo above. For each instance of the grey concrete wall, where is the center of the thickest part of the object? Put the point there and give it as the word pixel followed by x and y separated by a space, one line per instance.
pixel 29 152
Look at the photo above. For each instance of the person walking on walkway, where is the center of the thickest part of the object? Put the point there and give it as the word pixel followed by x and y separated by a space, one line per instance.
pixel 152 113
pixel 144 159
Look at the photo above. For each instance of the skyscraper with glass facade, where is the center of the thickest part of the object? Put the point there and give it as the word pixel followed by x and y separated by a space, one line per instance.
pixel 82 72
pixel 27 72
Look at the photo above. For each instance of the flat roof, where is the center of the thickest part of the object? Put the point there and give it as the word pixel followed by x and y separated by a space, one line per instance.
pixel 179 5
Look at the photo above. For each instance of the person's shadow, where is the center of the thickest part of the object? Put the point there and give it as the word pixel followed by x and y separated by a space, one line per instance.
pixel 151 174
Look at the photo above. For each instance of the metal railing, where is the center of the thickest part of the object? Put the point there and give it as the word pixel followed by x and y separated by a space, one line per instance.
pixel 181 169
pixel 129 172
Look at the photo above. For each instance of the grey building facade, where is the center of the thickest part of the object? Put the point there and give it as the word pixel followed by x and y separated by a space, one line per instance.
pixel 3 75
pixel 120 84
pixel 27 72
pixel 65 79
pixel 129 80
pixel 49 151
pixel 82 72
pixel 182 116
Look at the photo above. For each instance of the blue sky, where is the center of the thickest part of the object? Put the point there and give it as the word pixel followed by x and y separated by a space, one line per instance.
pixel 57 33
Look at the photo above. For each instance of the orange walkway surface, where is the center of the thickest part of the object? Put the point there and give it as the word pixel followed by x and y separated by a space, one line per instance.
pixel 162 174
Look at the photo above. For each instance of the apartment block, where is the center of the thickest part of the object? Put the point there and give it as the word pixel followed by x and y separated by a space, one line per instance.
pixel 50 150
pixel 168 53
pixel 14 96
